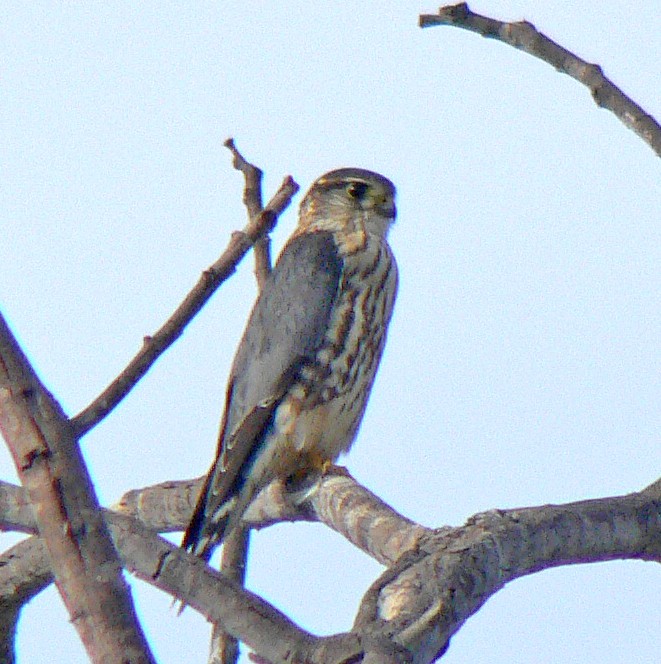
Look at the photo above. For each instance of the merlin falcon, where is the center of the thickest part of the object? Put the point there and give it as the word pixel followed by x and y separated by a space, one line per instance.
pixel 304 369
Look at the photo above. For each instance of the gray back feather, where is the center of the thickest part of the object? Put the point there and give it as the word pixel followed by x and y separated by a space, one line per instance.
pixel 287 325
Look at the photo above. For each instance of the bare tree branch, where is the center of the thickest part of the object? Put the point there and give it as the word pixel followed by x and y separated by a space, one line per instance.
pixel 524 36
pixel 335 499
pixel 243 615
pixel 15 509
pixel 46 454
pixel 24 572
pixel 25 568
pixel 166 507
pixel 210 280
pixel 235 550
pixel 252 199
pixel 430 593
pixel 436 579
pixel 186 577
pixel 224 647
pixel 364 519
pixel 168 567
pixel 445 576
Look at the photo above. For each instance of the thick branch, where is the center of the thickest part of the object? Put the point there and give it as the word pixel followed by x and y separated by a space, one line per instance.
pixel 524 36
pixel 364 519
pixel 24 572
pixel 336 500
pixel 187 578
pixel 244 615
pixel 83 559
pixel 164 508
pixel 439 579
pixel 168 567
pixel 211 279
pixel 341 503
pixel 427 596
pixel 15 509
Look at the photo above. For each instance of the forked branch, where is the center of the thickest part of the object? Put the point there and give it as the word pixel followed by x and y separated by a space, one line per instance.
pixel 48 460
pixel 435 581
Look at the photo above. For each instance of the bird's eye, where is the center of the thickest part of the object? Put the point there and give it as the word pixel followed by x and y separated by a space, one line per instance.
pixel 357 189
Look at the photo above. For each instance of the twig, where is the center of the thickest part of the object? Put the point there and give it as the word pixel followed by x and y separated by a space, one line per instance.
pixel 252 193
pixel 48 460
pixel 211 279
pixel 252 199
pixel 524 36
pixel 224 647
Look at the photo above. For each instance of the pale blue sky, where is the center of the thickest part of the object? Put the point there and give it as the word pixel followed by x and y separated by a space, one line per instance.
pixel 523 360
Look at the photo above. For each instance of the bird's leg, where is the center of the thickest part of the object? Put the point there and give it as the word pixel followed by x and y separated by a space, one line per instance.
pixel 333 469
pixel 302 484
pixel 325 466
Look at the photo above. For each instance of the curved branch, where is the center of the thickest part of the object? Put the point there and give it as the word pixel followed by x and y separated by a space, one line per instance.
pixel 335 499
pixel 243 615
pixel 524 36
pixel 364 519
pixel 428 595
pixel 24 572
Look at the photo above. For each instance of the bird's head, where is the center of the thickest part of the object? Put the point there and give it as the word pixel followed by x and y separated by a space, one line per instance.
pixel 348 196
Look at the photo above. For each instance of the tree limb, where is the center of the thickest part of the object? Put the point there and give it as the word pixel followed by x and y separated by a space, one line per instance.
pixel 252 199
pixel 436 579
pixel 86 567
pixel 24 572
pixel 430 594
pixel 524 36
pixel 172 329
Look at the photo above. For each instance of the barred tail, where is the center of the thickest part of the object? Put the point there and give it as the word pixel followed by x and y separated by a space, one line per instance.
pixel 200 540
pixel 213 519
pixel 206 529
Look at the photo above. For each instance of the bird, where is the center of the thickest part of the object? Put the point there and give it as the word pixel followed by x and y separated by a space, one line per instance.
pixel 304 368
